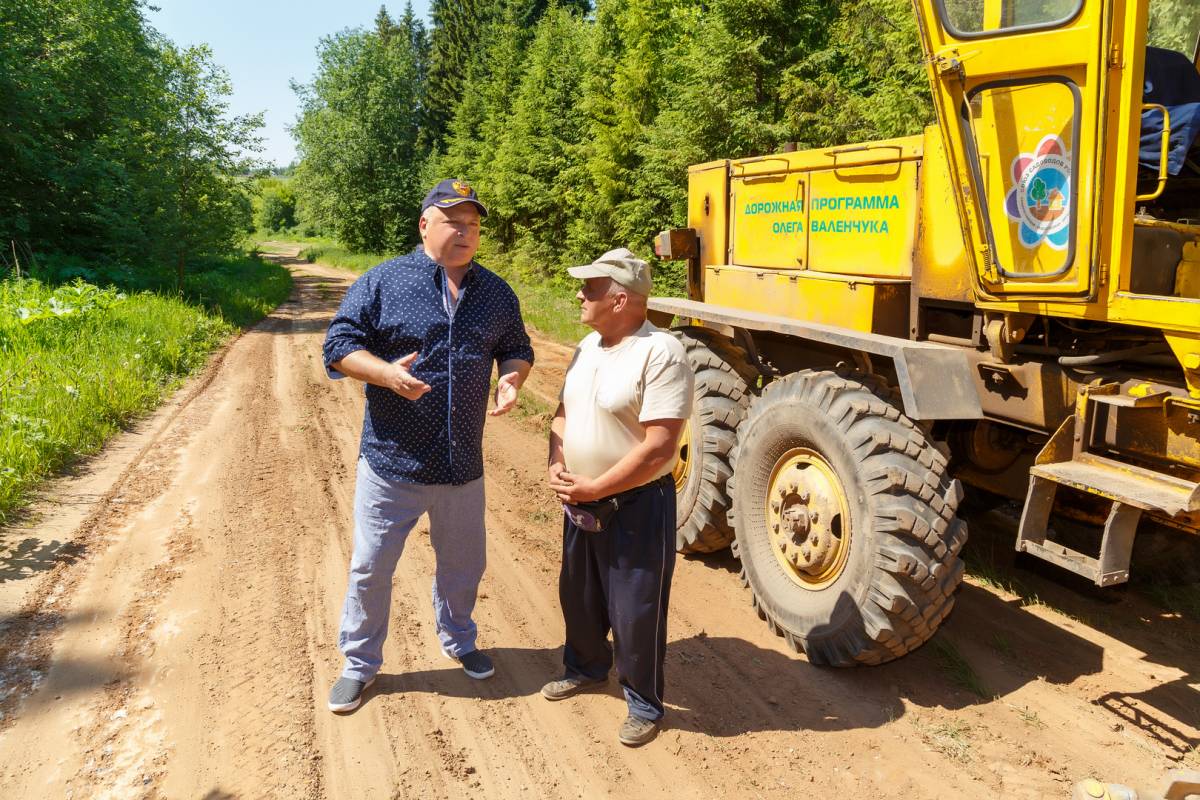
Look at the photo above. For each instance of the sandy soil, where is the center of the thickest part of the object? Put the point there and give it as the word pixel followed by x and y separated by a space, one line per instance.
pixel 168 619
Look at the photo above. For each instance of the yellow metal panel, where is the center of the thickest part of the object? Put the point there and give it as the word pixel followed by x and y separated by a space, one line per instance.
pixel 945 272
pixel 863 220
pixel 708 210
pixel 768 220
pixel 906 148
pixel 1123 123
pixel 1187 349
pixel 848 212
pixel 870 305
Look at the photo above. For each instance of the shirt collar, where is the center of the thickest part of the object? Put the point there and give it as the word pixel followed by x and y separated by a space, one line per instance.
pixel 436 270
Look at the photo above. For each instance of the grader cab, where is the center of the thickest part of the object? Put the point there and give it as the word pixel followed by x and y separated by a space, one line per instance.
pixel 1010 299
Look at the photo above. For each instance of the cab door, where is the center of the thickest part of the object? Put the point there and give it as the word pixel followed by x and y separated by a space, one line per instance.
pixel 1018 87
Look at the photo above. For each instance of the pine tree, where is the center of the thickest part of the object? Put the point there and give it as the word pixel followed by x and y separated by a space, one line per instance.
pixel 622 96
pixel 487 98
pixel 861 78
pixel 418 38
pixel 384 27
pixel 454 46
pixel 539 173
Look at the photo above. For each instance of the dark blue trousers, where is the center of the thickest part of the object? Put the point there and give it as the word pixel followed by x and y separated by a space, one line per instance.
pixel 619 580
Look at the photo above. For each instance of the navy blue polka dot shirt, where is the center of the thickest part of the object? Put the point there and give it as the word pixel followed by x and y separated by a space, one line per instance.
pixel 397 308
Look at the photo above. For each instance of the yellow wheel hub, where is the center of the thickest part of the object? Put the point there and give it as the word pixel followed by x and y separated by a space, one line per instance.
pixel 808 519
pixel 683 463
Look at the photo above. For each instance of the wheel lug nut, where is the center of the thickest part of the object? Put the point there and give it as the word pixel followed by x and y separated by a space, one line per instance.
pixel 804 497
pixel 775 506
pixel 812 516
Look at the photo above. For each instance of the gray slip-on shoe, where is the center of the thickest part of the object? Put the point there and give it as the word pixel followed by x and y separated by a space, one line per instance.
pixel 568 685
pixel 475 663
pixel 346 694
pixel 636 731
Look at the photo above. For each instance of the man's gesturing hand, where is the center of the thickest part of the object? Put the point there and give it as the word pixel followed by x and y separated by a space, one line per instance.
pixel 506 394
pixel 401 381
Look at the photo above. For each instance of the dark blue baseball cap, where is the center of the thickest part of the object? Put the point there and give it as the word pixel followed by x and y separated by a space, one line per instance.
pixel 451 192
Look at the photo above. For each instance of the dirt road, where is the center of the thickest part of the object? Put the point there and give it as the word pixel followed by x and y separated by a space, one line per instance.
pixel 168 630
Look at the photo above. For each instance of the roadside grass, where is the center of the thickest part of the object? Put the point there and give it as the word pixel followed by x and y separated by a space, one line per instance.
pixel 78 362
pixel 239 290
pixel 1028 716
pixel 952 738
pixel 957 668
pixel 334 255
pixel 983 564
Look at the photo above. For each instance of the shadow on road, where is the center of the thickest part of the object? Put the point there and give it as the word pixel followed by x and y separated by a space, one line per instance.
pixel 994 643
pixel 29 557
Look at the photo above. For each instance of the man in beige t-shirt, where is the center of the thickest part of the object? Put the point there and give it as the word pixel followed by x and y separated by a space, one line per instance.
pixel 613 444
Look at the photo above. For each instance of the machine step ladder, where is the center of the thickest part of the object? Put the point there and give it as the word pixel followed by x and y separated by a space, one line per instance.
pixel 1133 490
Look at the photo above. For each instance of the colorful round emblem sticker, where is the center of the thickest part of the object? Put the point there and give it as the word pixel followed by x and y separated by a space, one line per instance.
pixel 1040 199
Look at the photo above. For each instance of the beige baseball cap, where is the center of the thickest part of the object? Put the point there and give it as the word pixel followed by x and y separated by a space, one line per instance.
pixel 622 266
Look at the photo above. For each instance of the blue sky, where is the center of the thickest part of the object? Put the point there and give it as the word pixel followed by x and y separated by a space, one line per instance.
pixel 265 44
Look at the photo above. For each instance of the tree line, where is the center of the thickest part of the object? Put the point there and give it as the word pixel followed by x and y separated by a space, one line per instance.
pixel 116 145
pixel 575 122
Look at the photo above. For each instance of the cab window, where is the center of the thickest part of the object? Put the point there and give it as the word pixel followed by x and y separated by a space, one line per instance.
pixel 967 19
pixel 1174 25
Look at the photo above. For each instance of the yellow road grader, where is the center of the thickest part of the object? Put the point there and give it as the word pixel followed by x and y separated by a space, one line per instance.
pixel 1010 300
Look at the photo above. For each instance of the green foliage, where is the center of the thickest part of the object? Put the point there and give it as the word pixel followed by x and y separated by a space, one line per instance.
pixel 1175 25
pixel 277 206
pixel 115 144
pixel 863 78
pixel 335 256
pixel 479 120
pixel 537 174
pixel 199 151
pixel 453 48
pixel 79 362
pixel 238 289
pixel 359 177
pixel 72 150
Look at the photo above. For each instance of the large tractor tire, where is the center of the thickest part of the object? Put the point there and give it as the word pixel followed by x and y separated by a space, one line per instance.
pixel 846 519
pixel 725 380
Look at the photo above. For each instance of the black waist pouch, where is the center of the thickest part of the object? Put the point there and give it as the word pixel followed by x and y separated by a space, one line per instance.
pixel 591 517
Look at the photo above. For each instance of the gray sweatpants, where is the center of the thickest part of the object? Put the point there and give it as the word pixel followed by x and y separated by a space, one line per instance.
pixel 384 514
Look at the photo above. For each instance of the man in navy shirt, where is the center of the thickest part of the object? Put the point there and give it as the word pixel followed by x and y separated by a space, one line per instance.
pixel 422 331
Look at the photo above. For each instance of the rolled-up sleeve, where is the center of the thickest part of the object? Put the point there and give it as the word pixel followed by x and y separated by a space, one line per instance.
pixel 353 326
pixel 514 341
